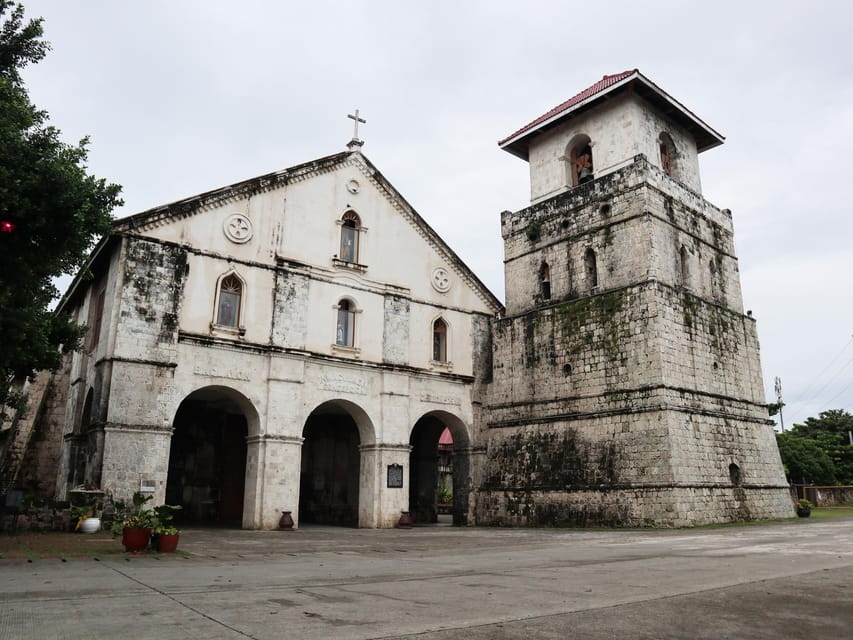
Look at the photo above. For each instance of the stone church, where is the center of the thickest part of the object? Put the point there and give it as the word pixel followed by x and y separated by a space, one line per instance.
pixel 300 341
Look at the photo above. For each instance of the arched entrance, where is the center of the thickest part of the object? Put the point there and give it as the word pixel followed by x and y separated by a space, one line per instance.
pixel 329 485
pixel 207 459
pixel 439 469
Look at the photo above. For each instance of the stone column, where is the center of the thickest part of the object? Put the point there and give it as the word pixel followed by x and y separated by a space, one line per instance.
pixel 272 480
pixel 133 455
pixel 462 484
pixel 378 505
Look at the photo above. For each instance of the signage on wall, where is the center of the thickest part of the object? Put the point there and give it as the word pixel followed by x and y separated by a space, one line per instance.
pixel 395 476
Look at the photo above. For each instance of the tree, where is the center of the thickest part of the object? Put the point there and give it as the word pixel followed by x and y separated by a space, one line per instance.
pixel 831 432
pixel 805 461
pixel 51 213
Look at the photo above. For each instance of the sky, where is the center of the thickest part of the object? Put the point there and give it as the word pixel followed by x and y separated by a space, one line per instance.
pixel 183 96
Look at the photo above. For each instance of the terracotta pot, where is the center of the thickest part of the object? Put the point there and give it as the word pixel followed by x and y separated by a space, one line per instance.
pixel 405 521
pixel 285 523
pixel 168 542
pixel 135 539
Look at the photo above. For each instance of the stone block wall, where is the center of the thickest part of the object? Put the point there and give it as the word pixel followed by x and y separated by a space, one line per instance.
pixel 290 319
pixel 151 296
pixel 637 399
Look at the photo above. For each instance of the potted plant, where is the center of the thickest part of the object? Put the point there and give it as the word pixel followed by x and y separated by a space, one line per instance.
pixel 134 523
pixel 165 537
pixel 85 519
pixel 804 508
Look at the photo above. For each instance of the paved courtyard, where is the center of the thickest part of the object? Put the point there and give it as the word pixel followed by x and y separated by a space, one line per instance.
pixel 786 580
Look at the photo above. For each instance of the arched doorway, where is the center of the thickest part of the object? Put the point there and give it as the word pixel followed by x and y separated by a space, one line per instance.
pixel 207 459
pixel 439 469
pixel 329 478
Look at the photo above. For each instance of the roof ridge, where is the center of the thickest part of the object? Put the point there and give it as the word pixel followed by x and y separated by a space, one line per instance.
pixel 594 89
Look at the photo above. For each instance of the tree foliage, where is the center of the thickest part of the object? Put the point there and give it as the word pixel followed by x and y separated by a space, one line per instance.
pixel 52 211
pixel 819 450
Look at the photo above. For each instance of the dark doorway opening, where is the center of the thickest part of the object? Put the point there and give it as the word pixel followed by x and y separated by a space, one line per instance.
pixel 207 461
pixel 430 489
pixel 329 479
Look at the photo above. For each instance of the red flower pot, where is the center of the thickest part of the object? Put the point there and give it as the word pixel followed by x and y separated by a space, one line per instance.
pixel 168 543
pixel 135 539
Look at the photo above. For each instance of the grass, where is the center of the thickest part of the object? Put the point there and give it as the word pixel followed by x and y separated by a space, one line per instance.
pixel 820 513
pixel 63 546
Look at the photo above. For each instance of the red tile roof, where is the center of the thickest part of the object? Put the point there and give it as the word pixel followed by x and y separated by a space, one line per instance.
pixel 598 87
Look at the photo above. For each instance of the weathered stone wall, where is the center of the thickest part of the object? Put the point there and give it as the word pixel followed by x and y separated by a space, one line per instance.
pixel 670 506
pixel 631 396
pixel 619 129
pixel 290 322
pixel 635 219
pixel 395 335
pixel 44 453
pixel 150 302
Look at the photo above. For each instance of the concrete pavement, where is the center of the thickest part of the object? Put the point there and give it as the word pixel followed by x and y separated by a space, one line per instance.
pixel 786 580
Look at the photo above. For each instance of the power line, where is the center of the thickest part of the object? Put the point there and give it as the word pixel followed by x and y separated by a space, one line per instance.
pixel 805 394
pixel 826 368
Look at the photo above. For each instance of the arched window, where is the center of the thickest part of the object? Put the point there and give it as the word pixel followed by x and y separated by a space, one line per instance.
pixel 580 161
pixel 228 305
pixel 545 280
pixel 439 340
pixel 667 154
pixel 684 266
pixel 591 268
pixel 350 228
pixel 345 332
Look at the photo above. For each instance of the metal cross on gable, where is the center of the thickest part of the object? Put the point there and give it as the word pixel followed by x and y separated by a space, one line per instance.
pixel 357 120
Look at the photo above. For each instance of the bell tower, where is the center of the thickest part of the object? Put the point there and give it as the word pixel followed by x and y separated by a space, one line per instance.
pixel 627 386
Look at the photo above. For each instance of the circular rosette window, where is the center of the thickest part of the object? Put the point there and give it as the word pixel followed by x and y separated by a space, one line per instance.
pixel 238 228
pixel 441 280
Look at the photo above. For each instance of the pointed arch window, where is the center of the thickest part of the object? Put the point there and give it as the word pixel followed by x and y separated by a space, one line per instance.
pixel 228 305
pixel 350 229
pixel 439 340
pixel 591 268
pixel 345 332
pixel 545 280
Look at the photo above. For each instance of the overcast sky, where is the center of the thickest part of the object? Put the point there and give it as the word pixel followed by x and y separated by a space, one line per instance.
pixel 180 97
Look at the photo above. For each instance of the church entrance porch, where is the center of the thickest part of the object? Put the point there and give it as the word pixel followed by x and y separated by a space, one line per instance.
pixel 329 478
pixel 207 460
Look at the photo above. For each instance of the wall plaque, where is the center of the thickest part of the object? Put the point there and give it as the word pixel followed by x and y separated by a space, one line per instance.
pixel 395 476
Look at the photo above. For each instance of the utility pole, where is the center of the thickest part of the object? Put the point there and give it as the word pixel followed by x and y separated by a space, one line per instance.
pixel 778 383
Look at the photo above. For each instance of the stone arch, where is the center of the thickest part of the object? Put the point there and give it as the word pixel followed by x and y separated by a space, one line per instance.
pixel 580 162
pixel 668 154
pixel 332 487
pixel 545 280
pixel 427 461
pixel 208 456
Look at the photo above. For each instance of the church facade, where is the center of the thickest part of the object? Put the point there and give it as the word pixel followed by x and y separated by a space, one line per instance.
pixel 263 348
pixel 300 341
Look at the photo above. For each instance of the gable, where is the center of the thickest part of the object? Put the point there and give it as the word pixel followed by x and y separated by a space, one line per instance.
pixel 295 216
